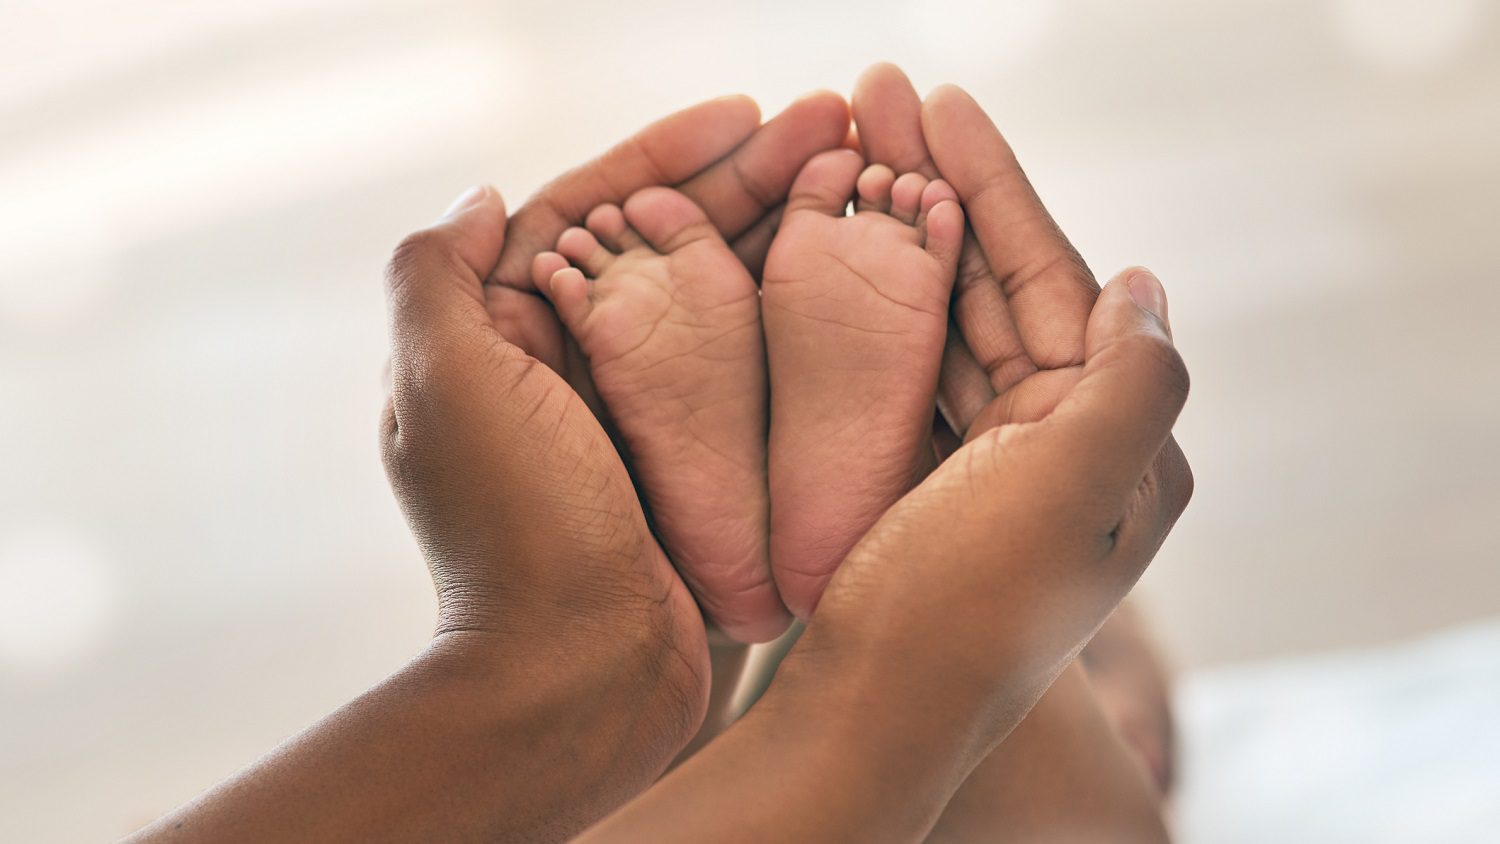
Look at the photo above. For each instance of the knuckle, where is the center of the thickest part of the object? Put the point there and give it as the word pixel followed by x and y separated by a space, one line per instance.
pixel 1166 363
pixel 1168 485
pixel 416 251
pixel 1180 489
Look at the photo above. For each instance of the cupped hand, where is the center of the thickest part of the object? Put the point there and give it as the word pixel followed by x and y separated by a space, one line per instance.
pixel 952 615
pixel 1031 533
pixel 524 512
pixel 1023 296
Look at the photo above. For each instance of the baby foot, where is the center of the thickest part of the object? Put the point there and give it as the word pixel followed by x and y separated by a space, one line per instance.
pixel 669 320
pixel 855 310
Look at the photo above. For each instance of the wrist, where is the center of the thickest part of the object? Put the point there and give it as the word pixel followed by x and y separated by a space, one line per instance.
pixel 950 679
pixel 619 693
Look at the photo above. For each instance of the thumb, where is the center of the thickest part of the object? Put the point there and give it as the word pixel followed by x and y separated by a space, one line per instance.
pixel 1112 424
pixel 437 274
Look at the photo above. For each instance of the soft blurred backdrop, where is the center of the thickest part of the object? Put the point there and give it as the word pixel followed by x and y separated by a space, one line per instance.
pixel 198 552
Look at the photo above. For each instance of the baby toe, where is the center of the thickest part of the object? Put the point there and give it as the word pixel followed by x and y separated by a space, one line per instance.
pixel 906 197
pixel 936 191
pixel 568 291
pixel 543 266
pixel 826 183
pixel 668 220
pixel 874 189
pixel 607 222
pixel 584 250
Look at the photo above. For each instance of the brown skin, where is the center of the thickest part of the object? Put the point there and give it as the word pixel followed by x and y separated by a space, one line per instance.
pixel 987 366
pixel 570 663
pixel 612 656
pixel 1133 686
pixel 1062 777
pixel 952 616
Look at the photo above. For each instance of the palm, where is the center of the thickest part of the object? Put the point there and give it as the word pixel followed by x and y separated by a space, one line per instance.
pixel 1022 297
pixel 1026 380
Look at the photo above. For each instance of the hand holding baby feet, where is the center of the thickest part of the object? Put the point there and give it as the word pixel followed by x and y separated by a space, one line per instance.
pixel 855 311
pixel 669 320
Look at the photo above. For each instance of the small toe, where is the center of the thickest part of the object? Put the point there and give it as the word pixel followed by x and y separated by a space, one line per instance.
pixel 543 266
pixel 669 220
pixel 936 191
pixel 944 234
pixel 874 189
pixel 584 250
pixel 826 183
pixel 906 196
pixel 568 291
pixel 607 222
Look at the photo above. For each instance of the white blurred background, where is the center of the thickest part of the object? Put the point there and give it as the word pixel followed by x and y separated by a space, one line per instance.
pixel 198 552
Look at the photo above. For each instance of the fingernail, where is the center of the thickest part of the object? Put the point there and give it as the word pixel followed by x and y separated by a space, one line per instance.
pixel 468 199
pixel 1146 290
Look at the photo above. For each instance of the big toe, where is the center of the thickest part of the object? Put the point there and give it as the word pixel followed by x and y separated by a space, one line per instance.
pixel 826 183
pixel 667 219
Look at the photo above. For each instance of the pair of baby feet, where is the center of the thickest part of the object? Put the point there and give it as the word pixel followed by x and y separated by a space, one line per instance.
pixel 769 426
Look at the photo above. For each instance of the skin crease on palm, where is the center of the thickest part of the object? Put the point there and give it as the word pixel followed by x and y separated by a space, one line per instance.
pixel 570 663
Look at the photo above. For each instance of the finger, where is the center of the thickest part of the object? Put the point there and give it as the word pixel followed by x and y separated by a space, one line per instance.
pixel 1115 421
pixel 1049 289
pixel 668 151
pixel 738 191
pixel 436 275
pixel 527 320
pixel 851 141
pixel 1029 401
pixel 984 320
pixel 1159 501
pixel 963 386
pixel 1153 510
pixel 888 114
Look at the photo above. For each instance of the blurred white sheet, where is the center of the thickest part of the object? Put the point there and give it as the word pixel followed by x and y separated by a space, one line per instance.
pixel 1397 744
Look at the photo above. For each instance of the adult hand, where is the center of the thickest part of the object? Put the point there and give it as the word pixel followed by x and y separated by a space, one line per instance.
pixel 570 662
pixel 525 513
pixel 953 615
pixel 1064 774
pixel 717 153
pixel 1023 294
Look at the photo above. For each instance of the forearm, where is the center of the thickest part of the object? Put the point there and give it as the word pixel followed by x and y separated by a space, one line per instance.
pixel 868 757
pixel 467 742
pixel 1062 777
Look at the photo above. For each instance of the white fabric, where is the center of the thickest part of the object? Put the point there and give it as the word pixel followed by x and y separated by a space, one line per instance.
pixel 1398 744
